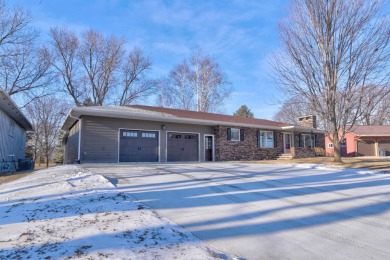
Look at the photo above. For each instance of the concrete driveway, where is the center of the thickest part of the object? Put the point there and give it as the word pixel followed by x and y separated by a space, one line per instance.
pixel 260 211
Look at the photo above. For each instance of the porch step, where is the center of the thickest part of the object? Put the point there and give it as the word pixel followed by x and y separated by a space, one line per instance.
pixel 284 156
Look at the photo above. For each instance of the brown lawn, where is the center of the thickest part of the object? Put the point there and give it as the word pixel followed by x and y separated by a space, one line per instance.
pixel 374 163
pixel 14 176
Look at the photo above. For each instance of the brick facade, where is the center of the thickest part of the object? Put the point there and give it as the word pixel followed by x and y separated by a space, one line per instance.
pixel 244 150
pixel 302 152
pixel 248 149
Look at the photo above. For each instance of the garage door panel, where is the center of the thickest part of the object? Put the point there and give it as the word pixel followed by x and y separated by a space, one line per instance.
pixel 182 147
pixel 366 148
pixel 138 146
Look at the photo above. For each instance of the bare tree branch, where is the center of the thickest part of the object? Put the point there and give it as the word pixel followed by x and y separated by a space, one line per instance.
pixel 64 47
pixel 198 84
pixel 333 50
pixel 135 83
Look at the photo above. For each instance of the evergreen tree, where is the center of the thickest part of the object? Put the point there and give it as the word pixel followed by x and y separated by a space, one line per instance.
pixel 244 111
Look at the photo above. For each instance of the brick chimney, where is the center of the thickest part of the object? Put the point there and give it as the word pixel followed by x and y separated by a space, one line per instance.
pixel 308 121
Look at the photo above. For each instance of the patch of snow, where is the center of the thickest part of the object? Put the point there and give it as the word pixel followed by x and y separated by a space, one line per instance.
pixel 68 212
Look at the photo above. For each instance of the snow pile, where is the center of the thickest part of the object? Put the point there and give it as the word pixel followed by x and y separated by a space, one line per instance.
pixel 67 212
pixel 316 166
pixel 339 168
pixel 369 171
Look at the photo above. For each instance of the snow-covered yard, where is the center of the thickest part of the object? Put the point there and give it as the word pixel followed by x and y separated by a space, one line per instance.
pixel 68 212
pixel 268 211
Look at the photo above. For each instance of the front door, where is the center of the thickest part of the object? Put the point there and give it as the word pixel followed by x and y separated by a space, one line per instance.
pixel 208 144
pixel 286 143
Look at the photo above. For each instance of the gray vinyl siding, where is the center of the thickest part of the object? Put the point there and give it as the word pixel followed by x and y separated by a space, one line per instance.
pixel 100 137
pixel 12 139
pixel 72 144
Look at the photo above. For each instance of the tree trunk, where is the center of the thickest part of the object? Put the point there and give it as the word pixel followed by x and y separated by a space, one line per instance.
pixel 47 161
pixel 336 148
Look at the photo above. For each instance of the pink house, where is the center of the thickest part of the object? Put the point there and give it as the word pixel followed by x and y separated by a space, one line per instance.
pixel 364 140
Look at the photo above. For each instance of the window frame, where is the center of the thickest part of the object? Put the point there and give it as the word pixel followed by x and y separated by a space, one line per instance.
pixel 261 144
pixel 330 145
pixel 238 133
pixel 303 141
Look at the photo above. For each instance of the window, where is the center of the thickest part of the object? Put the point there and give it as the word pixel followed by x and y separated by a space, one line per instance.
pixel 305 141
pixel 190 136
pixel 130 134
pixel 266 139
pixel 343 143
pixel 314 140
pixel 174 136
pixel 235 134
pixel 148 135
pixel 330 145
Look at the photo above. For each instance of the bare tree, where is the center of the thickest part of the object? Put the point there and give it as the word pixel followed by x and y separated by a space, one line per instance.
pixel 97 70
pixel 375 106
pixel 101 58
pixel 293 108
pixel 26 72
pixel 135 83
pixel 332 50
pixel 180 90
pixel 198 84
pixel 33 138
pixel 164 97
pixel 46 115
pixel 15 28
pixel 24 67
pixel 64 48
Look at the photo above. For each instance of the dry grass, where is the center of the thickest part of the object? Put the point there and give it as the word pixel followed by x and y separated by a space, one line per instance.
pixel 382 163
pixel 13 176
pixel 17 175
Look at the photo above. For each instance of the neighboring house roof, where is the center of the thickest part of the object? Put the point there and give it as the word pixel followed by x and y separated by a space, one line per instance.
pixel 12 110
pixel 371 130
pixel 176 116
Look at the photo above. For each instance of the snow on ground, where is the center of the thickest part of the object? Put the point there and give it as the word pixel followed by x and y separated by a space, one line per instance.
pixel 67 212
pixel 335 167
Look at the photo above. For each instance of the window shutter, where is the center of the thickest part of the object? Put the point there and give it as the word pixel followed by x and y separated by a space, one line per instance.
pixel 275 140
pixel 258 138
pixel 229 134
pixel 300 140
pixel 241 134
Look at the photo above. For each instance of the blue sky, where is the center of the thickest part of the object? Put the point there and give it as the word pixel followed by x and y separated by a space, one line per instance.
pixel 240 35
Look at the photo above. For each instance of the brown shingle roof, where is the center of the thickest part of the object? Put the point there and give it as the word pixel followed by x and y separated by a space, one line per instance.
pixel 210 116
pixel 371 130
